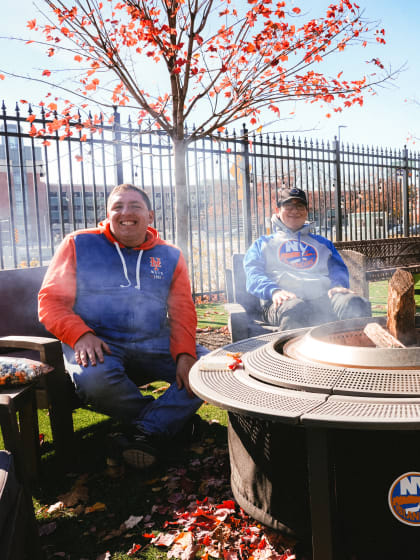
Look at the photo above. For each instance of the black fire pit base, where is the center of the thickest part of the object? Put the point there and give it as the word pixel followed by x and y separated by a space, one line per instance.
pixel 269 473
pixel 269 479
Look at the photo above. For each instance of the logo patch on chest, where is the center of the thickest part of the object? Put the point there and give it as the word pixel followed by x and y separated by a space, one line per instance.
pixel 155 268
pixel 297 254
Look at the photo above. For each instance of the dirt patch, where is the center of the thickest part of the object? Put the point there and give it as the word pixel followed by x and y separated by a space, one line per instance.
pixel 213 339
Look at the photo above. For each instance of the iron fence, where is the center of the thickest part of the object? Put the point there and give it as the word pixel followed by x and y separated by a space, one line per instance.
pixel 51 186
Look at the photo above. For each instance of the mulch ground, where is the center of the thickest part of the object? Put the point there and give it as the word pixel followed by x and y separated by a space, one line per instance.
pixel 213 339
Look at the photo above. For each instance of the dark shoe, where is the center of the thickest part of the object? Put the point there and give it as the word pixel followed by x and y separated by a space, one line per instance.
pixel 192 431
pixel 139 450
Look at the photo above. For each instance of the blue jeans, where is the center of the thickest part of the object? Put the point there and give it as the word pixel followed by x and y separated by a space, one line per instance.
pixel 297 313
pixel 111 387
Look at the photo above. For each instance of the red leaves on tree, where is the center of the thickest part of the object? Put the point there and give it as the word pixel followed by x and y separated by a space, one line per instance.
pixel 260 55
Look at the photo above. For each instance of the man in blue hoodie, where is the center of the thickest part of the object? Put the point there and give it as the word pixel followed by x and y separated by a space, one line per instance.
pixel 299 277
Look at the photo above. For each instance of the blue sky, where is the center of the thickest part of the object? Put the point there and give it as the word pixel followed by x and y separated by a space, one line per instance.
pixel 386 119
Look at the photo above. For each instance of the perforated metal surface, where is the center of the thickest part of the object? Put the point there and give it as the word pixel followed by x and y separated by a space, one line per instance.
pixel 368 382
pixel 362 413
pixel 238 392
pixel 268 365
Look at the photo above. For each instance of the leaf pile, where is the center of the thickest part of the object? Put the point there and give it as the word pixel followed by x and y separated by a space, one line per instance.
pixel 182 510
pixel 218 531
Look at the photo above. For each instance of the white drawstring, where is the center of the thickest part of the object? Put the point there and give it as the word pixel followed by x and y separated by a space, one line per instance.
pixel 138 270
pixel 137 286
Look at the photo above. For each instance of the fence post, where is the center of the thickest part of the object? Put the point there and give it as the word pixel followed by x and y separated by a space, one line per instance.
pixel 406 214
pixel 337 198
pixel 116 138
pixel 246 199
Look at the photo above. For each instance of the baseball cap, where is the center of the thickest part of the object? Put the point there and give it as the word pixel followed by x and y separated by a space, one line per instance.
pixel 286 195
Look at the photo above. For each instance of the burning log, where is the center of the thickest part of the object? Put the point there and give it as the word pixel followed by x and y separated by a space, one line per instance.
pixel 402 307
pixel 381 337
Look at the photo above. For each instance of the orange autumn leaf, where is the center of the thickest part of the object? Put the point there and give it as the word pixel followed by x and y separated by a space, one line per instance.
pixel 98 506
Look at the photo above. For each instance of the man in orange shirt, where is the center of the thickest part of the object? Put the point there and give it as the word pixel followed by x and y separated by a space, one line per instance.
pixel 119 299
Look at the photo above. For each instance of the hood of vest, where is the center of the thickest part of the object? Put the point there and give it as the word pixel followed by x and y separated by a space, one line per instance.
pixel 151 240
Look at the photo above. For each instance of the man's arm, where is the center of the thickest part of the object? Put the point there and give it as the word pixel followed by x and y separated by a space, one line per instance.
pixel 181 312
pixel 257 281
pixel 183 324
pixel 57 296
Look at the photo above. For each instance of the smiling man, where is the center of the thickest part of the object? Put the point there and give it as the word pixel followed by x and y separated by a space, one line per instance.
pixel 299 277
pixel 119 299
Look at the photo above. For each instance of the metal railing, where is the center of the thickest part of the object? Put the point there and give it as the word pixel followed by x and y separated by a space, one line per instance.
pixel 50 187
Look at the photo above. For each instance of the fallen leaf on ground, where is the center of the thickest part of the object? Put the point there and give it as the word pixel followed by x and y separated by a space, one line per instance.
pixel 99 506
pixel 164 539
pixel 55 507
pixel 47 529
pixel 78 493
pixel 132 521
pixel 161 389
pixel 184 547
pixel 135 548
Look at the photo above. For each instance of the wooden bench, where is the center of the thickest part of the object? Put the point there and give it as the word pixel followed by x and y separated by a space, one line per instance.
pixel 22 334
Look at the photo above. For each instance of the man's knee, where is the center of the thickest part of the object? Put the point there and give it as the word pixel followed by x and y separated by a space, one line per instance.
pixel 90 383
pixel 350 306
pixel 291 314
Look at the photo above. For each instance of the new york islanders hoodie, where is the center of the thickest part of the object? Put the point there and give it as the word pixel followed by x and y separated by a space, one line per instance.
pixel 298 261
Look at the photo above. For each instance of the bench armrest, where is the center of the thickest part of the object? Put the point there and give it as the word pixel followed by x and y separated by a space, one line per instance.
pixel 237 321
pixel 49 349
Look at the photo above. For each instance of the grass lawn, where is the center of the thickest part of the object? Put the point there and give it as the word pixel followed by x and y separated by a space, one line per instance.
pixel 211 315
pixel 92 513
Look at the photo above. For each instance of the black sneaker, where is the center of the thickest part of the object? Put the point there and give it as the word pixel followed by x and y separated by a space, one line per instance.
pixel 139 450
pixel 192 431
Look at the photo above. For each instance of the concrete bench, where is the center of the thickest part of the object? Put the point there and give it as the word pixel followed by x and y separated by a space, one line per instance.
pixel 384 256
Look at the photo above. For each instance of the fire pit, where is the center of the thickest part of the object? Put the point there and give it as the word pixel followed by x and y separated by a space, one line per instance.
pixel 321 424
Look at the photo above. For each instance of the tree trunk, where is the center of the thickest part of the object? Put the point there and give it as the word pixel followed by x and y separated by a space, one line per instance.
pixel 181 198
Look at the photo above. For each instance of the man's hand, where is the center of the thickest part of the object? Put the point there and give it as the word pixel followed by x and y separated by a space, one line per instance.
pixel 90 347
pixel 339 290
pixel 280 296
pixel 183 365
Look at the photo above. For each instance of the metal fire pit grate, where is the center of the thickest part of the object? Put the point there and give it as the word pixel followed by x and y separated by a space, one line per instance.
pixel 368 382
pixel 276 386
pixel 378 414
pixel 268 365
pixel 238 392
